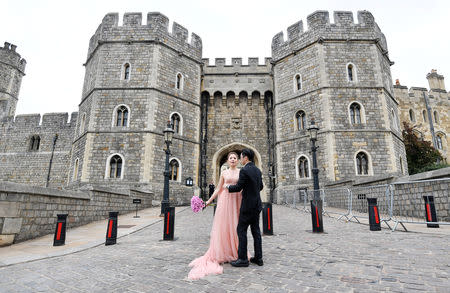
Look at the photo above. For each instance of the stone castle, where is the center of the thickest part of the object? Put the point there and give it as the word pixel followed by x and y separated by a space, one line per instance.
pixel 140 75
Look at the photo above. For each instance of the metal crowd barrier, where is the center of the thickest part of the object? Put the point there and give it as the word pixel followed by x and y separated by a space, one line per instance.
pixel 398 203
pixel 409 206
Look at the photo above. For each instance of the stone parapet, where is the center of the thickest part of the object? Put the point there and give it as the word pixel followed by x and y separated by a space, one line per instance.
pixel 155 30
pixel 320 29
pixel 27 211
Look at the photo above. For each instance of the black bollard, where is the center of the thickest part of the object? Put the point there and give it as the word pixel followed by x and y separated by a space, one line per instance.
pixel 267 219
pixel 430 211
pixel 169 223
pixel 111 231
pixel 316 215
pixel 374 216
pixel 211 191
pixel 60 231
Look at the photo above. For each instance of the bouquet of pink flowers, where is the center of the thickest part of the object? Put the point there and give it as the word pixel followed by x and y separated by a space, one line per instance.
pixel 197 204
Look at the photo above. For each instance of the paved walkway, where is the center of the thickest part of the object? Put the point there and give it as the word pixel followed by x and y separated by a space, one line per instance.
pixel 347 258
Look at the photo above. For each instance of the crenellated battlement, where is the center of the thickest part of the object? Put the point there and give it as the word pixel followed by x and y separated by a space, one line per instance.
pixel 236 66
pixel 48 120
pixel 156 29
pixel 320 28
pixel 9 56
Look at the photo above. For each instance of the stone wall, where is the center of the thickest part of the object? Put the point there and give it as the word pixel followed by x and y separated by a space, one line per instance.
pixel 413 110
pixel 21 164
pixel 27 212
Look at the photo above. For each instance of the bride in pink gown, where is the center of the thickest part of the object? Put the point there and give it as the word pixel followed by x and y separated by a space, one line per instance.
pixel 223 245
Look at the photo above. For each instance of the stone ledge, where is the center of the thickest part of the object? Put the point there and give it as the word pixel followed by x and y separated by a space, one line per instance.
pixel 9 187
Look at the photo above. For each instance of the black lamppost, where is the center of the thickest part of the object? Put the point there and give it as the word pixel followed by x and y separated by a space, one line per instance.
pixel 316 203
pixel 168 135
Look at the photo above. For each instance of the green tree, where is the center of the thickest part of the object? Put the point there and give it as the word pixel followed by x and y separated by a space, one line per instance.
pixel 421 154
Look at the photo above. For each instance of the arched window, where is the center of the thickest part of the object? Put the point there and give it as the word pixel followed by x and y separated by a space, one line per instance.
pixel 175 119
pixel 424 113
pixel 35 142
pixel 355 113
pixel 115 167
pixel 75 170
pixel 439 142
pixel 297 82
pixel 303 167
pixel 174 169
pixel 82 123
pixel 351 72
pixel 436 117
pixel 126 71
pixel 179 81
pixel 122 116
pixel 362 164
pixel 412 117
pixel 300 118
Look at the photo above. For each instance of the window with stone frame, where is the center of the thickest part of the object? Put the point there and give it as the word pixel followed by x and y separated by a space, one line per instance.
pixel 35 142
pixel 297 82
pixel 126 71
pixel 75 170
pixel 424 113
pixel 362 164
pixel 303 167
pixel 351 72
pixel 355 113
pixel 179 81
pixel 412 116
pixel 436 117
pixel 122 116
pixel 300 118
pixel 115 167
pixel 439 142
pixel 174 170
pixel 175 119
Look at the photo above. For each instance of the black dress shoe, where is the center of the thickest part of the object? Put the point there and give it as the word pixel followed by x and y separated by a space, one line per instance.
pixel 257 261
pixel 240 263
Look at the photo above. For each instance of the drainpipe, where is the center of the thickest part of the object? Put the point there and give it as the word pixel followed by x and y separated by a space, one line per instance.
pixel 51 159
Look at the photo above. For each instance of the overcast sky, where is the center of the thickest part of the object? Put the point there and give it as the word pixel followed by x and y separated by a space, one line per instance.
pixel 53 36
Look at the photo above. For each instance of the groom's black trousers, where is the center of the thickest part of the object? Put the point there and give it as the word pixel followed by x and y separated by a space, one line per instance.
pixel 253 222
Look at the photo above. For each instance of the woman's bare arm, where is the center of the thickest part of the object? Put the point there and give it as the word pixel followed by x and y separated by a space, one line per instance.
pixel 216 191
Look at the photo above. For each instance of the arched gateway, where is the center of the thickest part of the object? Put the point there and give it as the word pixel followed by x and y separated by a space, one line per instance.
pixel 220 158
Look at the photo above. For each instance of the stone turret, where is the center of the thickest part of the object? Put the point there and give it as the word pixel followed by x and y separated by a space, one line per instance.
pixel 436 81
pixel 12 69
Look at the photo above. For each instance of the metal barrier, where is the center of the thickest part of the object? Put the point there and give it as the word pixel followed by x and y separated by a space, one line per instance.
pixel 398 203
pixel 359 206
pixel 408 205
pixel 337 201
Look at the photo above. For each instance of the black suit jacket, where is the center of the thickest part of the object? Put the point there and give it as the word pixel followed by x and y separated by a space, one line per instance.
pixel 250 182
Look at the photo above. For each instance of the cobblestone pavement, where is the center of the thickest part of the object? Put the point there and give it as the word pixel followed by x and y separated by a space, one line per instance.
pixel 347 258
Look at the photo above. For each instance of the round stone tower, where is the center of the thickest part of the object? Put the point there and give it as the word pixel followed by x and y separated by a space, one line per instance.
pixel 12 69
pixel 139 76
pixel 338 74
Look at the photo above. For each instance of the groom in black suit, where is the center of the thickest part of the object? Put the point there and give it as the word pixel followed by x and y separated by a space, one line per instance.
pixel 250 182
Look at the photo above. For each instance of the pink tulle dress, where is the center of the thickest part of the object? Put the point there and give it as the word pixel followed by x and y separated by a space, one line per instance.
pixel 223 245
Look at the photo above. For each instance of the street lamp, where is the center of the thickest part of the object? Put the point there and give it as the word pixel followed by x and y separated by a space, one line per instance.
pixel 168 135
pixel 316 203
